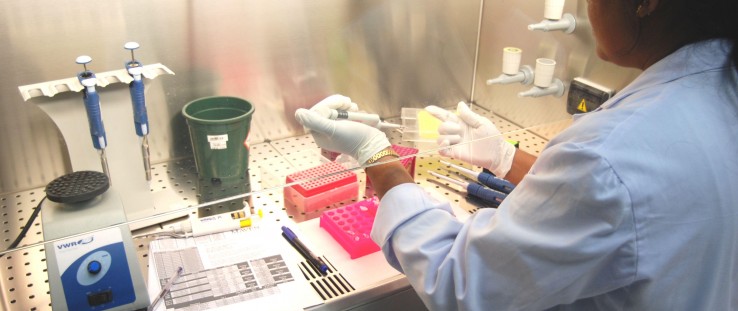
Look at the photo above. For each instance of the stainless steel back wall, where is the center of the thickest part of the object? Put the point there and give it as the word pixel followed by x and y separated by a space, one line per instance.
pixel 505 24
pixel 279 55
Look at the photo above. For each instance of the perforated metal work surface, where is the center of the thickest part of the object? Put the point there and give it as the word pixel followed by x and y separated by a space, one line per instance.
pixel 24 282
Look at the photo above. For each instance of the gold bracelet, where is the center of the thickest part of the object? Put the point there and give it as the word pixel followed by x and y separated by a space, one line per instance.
pixel 385 152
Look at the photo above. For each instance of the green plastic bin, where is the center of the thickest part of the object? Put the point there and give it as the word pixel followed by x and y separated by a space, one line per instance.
pixel 219 127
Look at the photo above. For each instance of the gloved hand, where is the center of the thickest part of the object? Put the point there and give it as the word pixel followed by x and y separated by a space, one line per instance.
pixel 358 140
pixel 475 139
pixel 334 102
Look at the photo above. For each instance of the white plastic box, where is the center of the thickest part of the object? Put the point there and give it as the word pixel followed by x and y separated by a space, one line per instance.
pixel 419 125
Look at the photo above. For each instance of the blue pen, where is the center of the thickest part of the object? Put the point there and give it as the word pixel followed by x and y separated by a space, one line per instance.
pixel 476 190
pixel 304 251
pixel 486 179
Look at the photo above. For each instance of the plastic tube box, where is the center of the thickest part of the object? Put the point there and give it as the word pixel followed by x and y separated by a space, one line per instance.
pixel 350 226
pixel 311 194
pixel 419 125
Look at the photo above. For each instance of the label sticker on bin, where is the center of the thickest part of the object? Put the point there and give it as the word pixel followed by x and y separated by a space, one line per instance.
pixel 218 141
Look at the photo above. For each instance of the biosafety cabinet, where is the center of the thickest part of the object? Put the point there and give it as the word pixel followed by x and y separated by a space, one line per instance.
pixel 99 153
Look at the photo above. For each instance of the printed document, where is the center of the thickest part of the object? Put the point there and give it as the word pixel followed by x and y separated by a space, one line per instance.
pixel 251 268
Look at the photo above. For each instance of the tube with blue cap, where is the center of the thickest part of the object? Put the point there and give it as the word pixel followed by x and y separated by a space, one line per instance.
pixel 486 179
pixel 475 190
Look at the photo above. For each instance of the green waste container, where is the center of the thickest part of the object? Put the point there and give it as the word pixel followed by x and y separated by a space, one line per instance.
pixel 219 127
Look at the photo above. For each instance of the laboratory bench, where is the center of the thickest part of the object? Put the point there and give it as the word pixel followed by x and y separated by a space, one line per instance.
pixel 25 284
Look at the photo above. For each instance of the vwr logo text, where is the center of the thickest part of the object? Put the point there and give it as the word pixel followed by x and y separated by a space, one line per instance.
pixel 87 240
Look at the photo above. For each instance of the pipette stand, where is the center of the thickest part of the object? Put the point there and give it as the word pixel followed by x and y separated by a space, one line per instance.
pixel 127 174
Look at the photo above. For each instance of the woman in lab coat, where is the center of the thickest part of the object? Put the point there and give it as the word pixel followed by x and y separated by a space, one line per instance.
pixel 633 207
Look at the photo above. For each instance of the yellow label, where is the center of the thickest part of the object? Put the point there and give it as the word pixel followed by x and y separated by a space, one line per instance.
pixel 428 125
pixel 582 106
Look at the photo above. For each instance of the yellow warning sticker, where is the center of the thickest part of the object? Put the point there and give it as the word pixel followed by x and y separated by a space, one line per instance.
pixel 582 106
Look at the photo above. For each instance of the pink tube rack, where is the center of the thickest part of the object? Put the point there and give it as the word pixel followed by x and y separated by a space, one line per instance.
pixel 312 194
pixel 350 226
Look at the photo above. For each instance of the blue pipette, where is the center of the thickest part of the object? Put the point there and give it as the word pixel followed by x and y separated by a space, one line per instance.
pixel 94 115
pixel 486 179
pixel 476 190
pixel 140 117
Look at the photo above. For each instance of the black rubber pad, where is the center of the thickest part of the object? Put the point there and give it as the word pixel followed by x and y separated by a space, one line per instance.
pixel 77 187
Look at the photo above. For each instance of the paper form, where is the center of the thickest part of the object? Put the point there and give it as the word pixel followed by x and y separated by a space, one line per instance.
pixel 251 268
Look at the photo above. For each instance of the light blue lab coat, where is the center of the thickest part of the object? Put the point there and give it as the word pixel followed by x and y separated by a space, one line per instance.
pixel 633 207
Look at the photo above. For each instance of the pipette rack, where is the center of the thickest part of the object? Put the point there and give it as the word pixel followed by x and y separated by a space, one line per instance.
pixel 51 88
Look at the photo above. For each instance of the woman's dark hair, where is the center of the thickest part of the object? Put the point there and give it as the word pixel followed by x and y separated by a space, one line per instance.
pixel 714 19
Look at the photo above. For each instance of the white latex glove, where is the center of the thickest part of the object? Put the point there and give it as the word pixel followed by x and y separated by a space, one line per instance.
pixel 330 106
pixel 475 139
pixel 358 140
pixel 334 102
